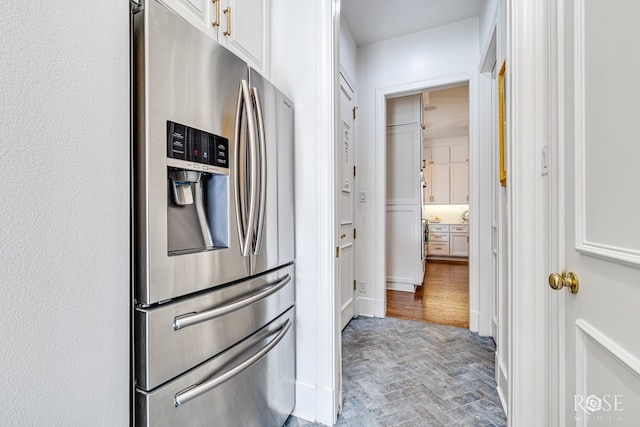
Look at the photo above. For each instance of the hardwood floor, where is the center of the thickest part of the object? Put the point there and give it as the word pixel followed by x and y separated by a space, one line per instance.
pixel 443 297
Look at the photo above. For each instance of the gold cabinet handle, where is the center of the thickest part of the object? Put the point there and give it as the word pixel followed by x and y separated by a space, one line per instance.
pixel 569 280
pixel 216 23
pixel 227 12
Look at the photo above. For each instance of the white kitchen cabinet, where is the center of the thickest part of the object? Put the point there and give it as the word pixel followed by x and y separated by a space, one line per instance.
pixel 449 240
pixel 404 247
pixel 403 165
pixel 459 240
pixel 436 178
pixel 459 184
pixel 446 174
pixel 404 110
pixel 404 243
pixel 459 153
pixel 242 26
pixel 244 29
pixel 440 154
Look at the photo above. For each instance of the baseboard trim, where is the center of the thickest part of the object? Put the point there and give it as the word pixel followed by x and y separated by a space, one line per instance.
pixel 366 307
pixel 314 404
pixel 403 287
pixel 474 321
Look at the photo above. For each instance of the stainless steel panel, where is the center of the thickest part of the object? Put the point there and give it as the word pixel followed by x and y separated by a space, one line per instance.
pixel 173 338
pixel 268 384
pixel 284 134
pixel 180 75
pixel 276 243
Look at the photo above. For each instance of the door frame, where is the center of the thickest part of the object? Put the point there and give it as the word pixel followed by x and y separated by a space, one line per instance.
pixel 479 309
pixel 535 207
pixel 343 77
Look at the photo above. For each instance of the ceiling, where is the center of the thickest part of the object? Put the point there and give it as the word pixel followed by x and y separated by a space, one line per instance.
pixel 450 118
pixel 375 20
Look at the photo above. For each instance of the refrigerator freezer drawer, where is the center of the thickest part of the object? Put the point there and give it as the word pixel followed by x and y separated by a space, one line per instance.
pixel 174 338
pixel 251 384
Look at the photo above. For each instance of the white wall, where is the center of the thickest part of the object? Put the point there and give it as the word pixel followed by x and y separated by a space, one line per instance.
pixel 64 214
pixel 487 20
pixel 348 53
pixel 426 55
pixel 306 77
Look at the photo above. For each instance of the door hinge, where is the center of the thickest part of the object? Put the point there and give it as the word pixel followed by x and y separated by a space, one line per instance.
pixel 354 170
pixel 354 284
pixel 337 251
pixel 354 112
pixel 136 6
pixel 354 233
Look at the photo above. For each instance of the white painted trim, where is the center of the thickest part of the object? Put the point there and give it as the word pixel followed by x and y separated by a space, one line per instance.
pixel 502 378
pixel 585 332
pixel 380 184
pixel 347 78
pixel 402 286
pixel 616 351
pixel 555 236
pixel 447 141
pixel 474 320
pixel 328 396
pixel 527 129
pixel 305 401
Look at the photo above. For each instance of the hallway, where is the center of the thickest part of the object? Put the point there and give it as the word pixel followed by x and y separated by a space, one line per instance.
pixel 406 373
pixel 443 297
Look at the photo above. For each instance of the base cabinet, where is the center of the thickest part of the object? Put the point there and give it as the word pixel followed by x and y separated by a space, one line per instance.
pixel 448 240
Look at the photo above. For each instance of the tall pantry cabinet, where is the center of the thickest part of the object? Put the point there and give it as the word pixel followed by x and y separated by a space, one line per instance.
pixel 404 246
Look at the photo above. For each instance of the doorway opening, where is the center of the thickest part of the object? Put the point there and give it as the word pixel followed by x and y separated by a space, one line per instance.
pixel 430 129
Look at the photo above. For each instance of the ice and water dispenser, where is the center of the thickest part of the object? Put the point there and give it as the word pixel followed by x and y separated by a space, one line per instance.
pixel 198 190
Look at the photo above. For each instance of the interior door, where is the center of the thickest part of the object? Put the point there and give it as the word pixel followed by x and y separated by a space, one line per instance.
pixel 601 198
pixel 347 191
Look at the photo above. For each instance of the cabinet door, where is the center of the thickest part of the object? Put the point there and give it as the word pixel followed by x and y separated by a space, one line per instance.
pixel 426 156
pixel 459 244
pixel 198 13
pixel 459 153
pixel 459 183
pixel 403 244
pixel 404 110
pixel 244 29
pixel 439 154
pixel 403 165
pixel 439 184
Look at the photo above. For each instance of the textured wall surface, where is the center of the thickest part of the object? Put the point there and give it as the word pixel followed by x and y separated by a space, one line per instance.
pixel 64 213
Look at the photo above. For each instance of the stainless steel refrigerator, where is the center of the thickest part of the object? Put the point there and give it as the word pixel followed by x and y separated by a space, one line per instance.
pixel 213 273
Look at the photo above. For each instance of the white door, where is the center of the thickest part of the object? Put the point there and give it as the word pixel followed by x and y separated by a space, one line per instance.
pixel 346 208
pixel 602 210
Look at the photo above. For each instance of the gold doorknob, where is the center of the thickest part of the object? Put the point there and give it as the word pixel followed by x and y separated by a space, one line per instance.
pixel 559 281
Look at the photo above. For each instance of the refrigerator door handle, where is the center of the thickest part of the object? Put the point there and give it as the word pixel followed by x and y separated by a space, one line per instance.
pixel 262 153
pixel 245 220
pixel 190 319
pixel 195 391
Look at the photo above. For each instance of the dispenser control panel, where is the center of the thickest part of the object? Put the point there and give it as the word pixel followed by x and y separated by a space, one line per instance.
pixel 194 145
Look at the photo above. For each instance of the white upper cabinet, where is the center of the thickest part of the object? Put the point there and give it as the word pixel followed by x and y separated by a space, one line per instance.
pixel 404 110
pixel 446 173
pixel 459 185
pixel 440 154
pixel 403 165
pixel 459 153
pixel 242 26
pixel 244 29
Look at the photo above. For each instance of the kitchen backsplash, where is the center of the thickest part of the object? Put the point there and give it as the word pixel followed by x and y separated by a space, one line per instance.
pixel 448 214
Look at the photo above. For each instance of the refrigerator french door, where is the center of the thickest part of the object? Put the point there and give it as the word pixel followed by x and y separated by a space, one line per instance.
pixel 213 273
